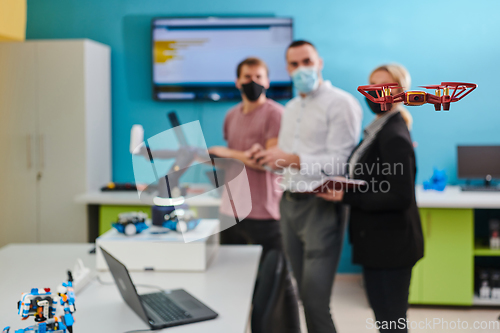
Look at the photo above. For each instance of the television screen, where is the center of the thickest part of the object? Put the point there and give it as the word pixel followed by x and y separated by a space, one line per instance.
pixel 196 58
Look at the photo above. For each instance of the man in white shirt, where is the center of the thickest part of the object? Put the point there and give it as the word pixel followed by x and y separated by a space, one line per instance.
pixel 319 130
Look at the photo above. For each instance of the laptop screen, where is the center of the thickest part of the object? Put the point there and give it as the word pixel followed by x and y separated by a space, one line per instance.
pixel 125 285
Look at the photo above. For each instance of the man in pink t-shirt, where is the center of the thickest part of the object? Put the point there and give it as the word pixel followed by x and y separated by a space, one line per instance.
pixel 256 120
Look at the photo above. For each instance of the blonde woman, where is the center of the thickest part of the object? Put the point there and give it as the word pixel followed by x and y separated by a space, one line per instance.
pixel 385 228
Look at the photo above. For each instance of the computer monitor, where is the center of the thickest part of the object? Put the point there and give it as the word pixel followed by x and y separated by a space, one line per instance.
pixel 196 58
pixel 478 162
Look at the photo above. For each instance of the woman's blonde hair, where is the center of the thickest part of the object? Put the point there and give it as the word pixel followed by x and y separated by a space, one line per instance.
pixel 403 78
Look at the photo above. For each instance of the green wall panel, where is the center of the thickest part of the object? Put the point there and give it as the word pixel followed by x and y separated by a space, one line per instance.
pixel 445 275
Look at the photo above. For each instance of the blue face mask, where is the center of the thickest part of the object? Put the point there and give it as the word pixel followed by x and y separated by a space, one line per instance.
pixel 305 79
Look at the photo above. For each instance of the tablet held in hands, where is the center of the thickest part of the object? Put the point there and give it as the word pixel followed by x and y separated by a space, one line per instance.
pixel 336 183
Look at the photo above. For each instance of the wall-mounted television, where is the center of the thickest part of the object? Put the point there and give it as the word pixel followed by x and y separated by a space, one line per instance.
pixel 196 58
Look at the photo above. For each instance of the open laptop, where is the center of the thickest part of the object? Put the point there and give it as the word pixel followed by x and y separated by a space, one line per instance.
pixel 160 309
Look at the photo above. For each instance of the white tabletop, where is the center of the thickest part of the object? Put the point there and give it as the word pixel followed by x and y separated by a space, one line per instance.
pixel 453 197
pixel 226 287
pixel 132 198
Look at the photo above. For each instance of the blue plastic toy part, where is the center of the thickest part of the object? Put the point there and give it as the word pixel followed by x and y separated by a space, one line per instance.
pixel 68 320
pixel 119 227
pixel 62 327
pixel 42 328
pixel 170 225
pixel 159 212
pixel 140 227
pixel 181 226
pixel 437 182
pixel 6 330
pixel 192 224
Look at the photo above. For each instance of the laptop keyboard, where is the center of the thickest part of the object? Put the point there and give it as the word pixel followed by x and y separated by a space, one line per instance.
pixel 165 308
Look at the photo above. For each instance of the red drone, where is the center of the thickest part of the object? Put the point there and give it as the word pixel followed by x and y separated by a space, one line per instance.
pixel 441 97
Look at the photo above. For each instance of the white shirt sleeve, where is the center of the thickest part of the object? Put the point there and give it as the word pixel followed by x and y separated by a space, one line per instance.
pixel 344 127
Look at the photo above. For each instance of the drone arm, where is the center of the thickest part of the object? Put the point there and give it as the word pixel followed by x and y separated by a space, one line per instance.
pixel 380 99
pixel 433 99
pixel 438 101
pixel 399 98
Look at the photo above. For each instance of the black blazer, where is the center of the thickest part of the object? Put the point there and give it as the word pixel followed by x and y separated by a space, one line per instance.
pixel 385 228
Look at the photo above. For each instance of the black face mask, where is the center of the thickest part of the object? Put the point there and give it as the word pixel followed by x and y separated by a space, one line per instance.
pixel 252 90
pixel 375 107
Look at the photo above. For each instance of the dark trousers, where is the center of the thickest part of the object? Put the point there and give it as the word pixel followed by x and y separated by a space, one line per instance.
pixel 266 233
pixel 313 232
pixel 387 291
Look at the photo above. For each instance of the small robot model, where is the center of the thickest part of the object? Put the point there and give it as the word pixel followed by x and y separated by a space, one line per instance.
pixel 495 240
pixel 131 223
pixel 445 93
pixel 437 181
pixel 67 302
pixel 494 234
pixel 495 284
pixel 485 290
pixel 181 220
pixel 41 304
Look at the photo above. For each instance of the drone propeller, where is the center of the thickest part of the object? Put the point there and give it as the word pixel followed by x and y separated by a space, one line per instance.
pixel 435 86
pixel 372 87
pixel 459 84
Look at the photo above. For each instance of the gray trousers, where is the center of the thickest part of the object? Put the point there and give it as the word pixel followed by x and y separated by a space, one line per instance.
pixel 313 231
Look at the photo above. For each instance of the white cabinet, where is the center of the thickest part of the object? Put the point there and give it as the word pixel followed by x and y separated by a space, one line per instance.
pixel 18 197
pixel 54 137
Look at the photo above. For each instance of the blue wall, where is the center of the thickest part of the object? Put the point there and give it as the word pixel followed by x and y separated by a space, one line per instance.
pixel 436 40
